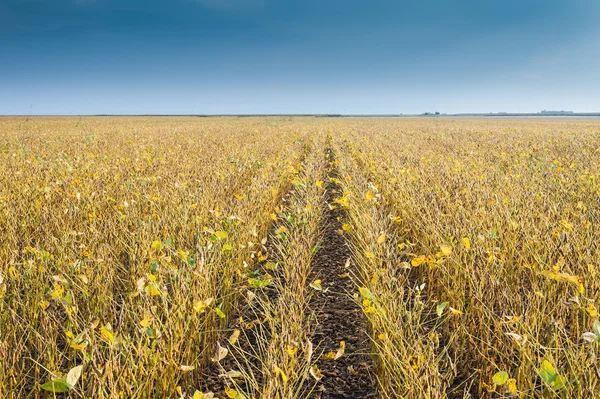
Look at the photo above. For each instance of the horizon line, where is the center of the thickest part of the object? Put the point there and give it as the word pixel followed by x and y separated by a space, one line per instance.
pixel 424 114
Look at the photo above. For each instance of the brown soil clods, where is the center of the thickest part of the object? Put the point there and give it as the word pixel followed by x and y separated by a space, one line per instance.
pixel 339 318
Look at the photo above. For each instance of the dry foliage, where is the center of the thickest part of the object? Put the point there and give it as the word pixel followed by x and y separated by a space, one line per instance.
pixel 142 257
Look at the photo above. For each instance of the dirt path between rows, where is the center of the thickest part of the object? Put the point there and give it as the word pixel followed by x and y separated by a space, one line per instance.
pixel 334 316
pixel 338 317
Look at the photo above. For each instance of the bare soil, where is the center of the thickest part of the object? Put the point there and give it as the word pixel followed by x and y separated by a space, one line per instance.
pixel 339 317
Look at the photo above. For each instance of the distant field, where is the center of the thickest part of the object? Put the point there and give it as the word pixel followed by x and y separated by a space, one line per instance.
pixel 182 257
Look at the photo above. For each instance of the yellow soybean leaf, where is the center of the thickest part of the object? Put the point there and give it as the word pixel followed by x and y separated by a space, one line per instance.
pixel 455 311
pixel 152 290
pixel 291 350
pixel 94 323
pixel 106 333
pixel 146 322
pixel 340 351
pixel 316 285
pixel 319 183
pixel 343 201
pixel 78 345
pixel 446 250
pixel 58 291
pixel 572 280
pixel 365 293
pixel 418 261
pixel 234 337
pixel 466 242
pixel 568 278
pixel 13 272
pixel 316 373
pixel 231 393
pixel 271 265
pixel 500 378
pixel 381 239
pixel 346 227
pixel 370 195
pixel 279 372
pixel 566 225
pixel 511 384
pixel 200 306
pixel 559 383
pixel 416 362
pixel 221 235
pixel 258 283
pixel 329 356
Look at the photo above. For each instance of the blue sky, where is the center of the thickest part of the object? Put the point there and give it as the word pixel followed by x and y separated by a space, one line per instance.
pixel 310 56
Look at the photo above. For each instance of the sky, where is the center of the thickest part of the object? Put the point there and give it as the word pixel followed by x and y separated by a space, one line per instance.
pixel 73 57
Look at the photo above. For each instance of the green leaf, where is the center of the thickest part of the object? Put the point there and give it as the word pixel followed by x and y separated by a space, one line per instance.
pixel 596 329
pixel 254 273
pixel 257 283
pixel 365 293
pixel 221 235
pixel 493 234
pixel 559 383
pixel 227 247
pixel 219 313
pixel 440 308
pixel 548 372
pixel 55 386
pixel 500 378
pixel 153 267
